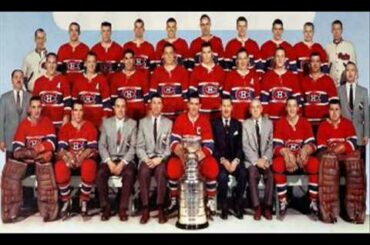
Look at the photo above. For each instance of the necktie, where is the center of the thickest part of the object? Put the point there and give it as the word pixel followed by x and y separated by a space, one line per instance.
pixel 155 130
pixel 119 137
pixel 351 97
pixel 18 102
pixel 258 139
pixel 227 126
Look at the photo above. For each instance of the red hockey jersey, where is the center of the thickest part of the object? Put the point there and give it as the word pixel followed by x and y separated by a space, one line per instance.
pixel 316 97
pixel 209 84
pixel 29 135
pixel 181 49
pixel 95 95
pixel 201 127
pixel 108 59
pixel 345 133
pixel 268 53
pixel 293 138
pixel 276 89
pixel 55 97
pixel 242 90
pixel 196 50
pixel 303 53
pixel 173 87
pixel 144 55
pixel 72 139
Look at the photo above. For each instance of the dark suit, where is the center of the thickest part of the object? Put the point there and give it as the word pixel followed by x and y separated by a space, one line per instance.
pixel 229 146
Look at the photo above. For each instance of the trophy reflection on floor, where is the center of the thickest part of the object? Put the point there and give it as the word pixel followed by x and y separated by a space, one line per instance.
pixel 192 213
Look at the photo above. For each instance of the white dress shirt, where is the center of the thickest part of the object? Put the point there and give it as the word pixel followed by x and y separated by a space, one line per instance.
pixel 20 96
pixel 348 87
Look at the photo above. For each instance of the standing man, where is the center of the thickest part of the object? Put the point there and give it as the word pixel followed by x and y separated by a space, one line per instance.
pixel 257 148
pixel 340 52
pixel 72 55
pixel 228 153
pixel 117 150
pixel 153 151
pixel 13 109
pixel 354 101
pixel 34 63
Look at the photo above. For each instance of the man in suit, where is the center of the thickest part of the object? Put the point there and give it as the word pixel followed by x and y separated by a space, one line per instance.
pixel 117 150
pixel 13 109
pixel 153 151
pixel 354 102
pixel 227 133
pixel 257 148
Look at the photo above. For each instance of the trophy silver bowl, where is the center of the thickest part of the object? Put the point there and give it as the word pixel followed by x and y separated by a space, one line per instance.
pixel 192 213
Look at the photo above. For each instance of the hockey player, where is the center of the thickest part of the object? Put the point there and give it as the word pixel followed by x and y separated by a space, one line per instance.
pixel 108 52
pixel 77 149
pixel 277 86
pixel 242 41
pixel 180 45
pixel 53 88
pixel 170 80
pixel 294 144
pixel 131 84
pixel 208 79
pixel 195 124
pixel 71 55
pixel 242 85
pixel 206 36
pixel 93 91
pixel 268 49
pixel 318 89
pixel 304 49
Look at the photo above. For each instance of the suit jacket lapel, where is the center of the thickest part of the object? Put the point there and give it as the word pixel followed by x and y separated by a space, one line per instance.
pixel 357 97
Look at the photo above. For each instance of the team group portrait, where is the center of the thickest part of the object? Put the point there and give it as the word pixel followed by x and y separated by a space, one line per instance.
pixel 173 122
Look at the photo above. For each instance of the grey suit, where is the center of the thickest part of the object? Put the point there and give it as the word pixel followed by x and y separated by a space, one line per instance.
pixel 147 147
pixel 126 152
pixel 250 149
pixel 9 117
pixel 360 114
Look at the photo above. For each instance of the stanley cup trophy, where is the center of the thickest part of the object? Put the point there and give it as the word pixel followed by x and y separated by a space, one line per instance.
pixel 192 213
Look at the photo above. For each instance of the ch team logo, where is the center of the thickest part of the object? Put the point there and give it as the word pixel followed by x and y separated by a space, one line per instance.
pixel 32 142
pixel 129 94
pixel 140 61
pixel 77 145
pixel 244 94
pixel 88 98
pixel 49 98
pixel 313 98
pixel 210 89
pixel 168 90
pixel 73 66
pixel 293 145
pixel 199 130
pixel 280 94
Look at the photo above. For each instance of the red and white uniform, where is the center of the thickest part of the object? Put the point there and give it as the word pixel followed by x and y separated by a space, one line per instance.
pixel 173 87
pixel 108 59
pixel 181 49
pixel 196 50
pixel 95 95
pixel 55 97
pixel 268 53
pixel 209 84
pixel 316 96
pixel 76 140
pixel 303 52
pixel 145 57
pixel 73 58
pixel 29 135
pixel 276 89
pixel 294 138
pixel 242 89
pixel 135 89
pixel 209 167
pixel 234 45
pixel 345 133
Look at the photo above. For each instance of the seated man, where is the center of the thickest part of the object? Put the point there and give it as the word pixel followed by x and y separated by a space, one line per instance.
pixel 117 150
pixel 153 151
pixel 228 152
pixel 257 147
pixel 33 145
pixel 293 146
pixel 337 145
pixel 193 123
pixel 78 146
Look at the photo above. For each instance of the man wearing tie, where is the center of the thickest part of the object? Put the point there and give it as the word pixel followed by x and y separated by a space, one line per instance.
pixel 153 151
pixel 13 109
pixel 257 148
pixel 228 152
pixel 354 102
pixel 117 150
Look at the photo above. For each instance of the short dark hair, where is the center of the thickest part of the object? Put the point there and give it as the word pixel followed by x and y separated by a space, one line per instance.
pixel 92 53
pixel 242 50
pixel 77 102
pixel 205 45
pixel 280 48
pixel 309 24
pixel 106 23
pixel 171 19
pixel 129 51
pixel 205 16
pixel 241 18
pixel 35 98
pixel 139 20
pixel 39 30
pixel 169 45
pixel 337 22
pixel 315 54
pixel 155 95
pixel 277 22
pixel 75 24
pixel 51 54
pixel 193 95
pixel 334 102
pixel 15 71
pixel 226 97
pixel 292 98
